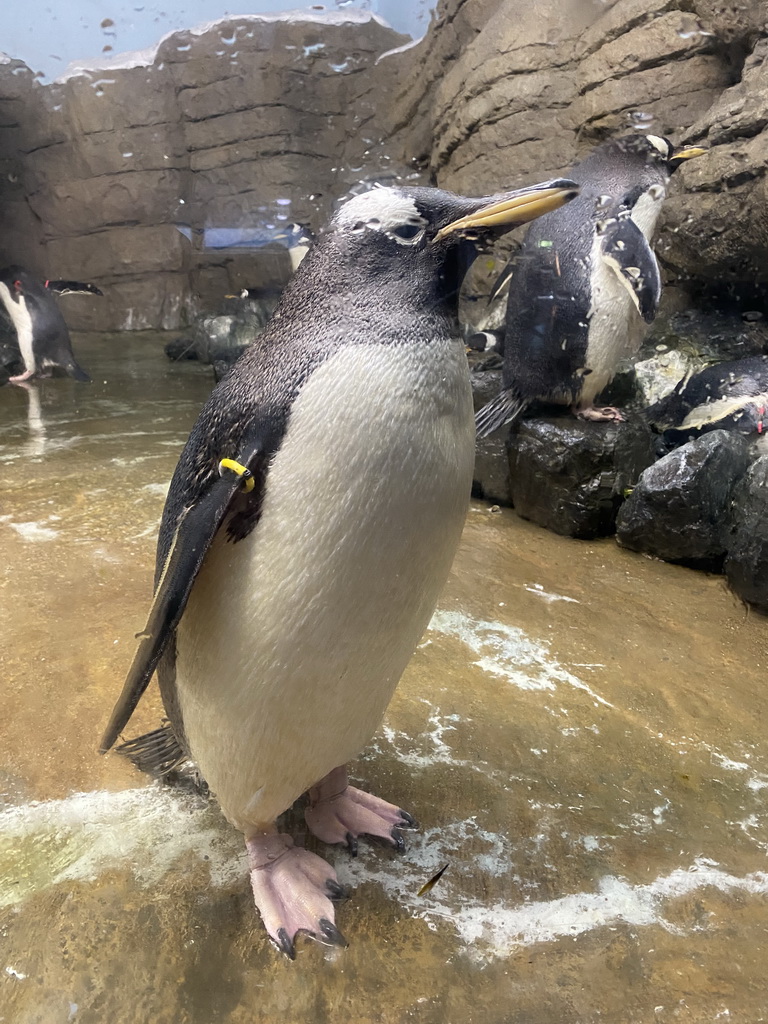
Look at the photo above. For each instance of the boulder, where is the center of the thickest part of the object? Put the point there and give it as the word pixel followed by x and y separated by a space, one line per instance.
pixel 680 508
pixel 746 563
pixel 570 475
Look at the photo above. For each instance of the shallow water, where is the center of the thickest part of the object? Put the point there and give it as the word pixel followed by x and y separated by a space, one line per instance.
pixel 581 735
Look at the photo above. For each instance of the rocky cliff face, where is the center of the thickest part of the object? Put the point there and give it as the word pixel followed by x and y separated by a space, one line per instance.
pixel 135 174
pixel 128 175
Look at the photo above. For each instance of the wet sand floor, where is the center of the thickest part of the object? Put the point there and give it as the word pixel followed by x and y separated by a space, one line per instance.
pixel 581 735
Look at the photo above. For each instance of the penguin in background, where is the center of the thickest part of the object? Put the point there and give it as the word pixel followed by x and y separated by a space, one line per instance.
pixel 42 333
pixel 584 282
pixel 726 396
pixel 309 527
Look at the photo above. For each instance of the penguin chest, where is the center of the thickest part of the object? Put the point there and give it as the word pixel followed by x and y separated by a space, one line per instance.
pixel 22 322
pixel 295 637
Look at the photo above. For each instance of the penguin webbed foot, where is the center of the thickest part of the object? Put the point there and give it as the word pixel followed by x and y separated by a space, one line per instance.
pixel 293 890
pixel 340 813
pixel 600 414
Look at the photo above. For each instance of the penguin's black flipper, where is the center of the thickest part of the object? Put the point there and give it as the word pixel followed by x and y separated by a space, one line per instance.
pixel 502 282
pixel 77 373
pixel 196 528
pixel 628 254
pixel 504 408
pixel 72 288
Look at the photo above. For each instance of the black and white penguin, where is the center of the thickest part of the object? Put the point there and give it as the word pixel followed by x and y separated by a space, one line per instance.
pixel 309 527
pixel 581 279
pixel 726 396
pixel 42 333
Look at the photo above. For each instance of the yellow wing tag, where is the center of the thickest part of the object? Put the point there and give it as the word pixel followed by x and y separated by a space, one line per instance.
pixel 242 471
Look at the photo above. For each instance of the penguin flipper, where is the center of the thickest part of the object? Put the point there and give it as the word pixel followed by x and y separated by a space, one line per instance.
pixel 502 282
pixel 503 409
pixel 627 252
pixel 197 526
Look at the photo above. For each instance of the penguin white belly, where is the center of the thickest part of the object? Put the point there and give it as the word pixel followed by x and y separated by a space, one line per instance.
pixel 294 638
pixel 616 330
pixel 22 322
pixel 615 327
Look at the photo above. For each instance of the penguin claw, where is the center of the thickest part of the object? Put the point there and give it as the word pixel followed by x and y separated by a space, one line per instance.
pixel 285 944
pixel 336 891
pixel 351 840
pixel 331 934
pixel 406 820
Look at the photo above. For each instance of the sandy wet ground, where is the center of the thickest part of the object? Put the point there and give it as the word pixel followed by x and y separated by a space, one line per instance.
pixel 581 735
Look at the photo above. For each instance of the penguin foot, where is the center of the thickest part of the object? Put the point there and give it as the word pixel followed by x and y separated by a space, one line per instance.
pixel 600 414
pixel 21 377
pixel 339 813
pixel 293 890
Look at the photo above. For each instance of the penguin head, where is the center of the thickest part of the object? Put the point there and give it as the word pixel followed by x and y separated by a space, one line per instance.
pixel 16 280
pixel 426 237
pixel 629 176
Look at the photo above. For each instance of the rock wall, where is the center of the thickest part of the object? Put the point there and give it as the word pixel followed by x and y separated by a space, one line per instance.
pixel 122 173
pixel 536 86
pixel 119 174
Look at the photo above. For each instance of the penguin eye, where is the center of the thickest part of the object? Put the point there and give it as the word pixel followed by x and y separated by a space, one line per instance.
pixel 406 231
pixel 17 285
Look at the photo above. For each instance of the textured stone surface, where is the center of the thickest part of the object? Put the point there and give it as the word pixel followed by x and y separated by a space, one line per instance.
pixel 679 510
pixel 746 565
pixel 569 475
pixel 244 124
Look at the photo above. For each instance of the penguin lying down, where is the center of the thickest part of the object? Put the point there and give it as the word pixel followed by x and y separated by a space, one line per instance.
pixel 309 527
pixel 42 334
pixel 726 396
pixel 583 283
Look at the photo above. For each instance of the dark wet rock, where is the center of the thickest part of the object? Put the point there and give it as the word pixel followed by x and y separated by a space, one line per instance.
pixel 680 508
pixel 746 564
pixel 570 476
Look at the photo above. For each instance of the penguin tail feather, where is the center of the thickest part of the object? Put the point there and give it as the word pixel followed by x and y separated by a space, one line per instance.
pixel 158 753
pixel 78 373
pixel 503 409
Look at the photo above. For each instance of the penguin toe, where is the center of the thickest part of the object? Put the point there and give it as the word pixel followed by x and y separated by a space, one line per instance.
pixel 344 817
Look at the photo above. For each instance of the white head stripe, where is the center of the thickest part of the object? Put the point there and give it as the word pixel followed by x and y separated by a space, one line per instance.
pixel 387 206
pixel 660 144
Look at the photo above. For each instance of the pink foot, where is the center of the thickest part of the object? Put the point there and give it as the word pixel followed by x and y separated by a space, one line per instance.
pixel 22 376
pixel 293 889
pixel 339 813
pixel 600 414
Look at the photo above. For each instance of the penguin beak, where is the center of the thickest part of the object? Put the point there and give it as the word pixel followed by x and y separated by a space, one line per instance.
pixel 689 154
pixel 512 208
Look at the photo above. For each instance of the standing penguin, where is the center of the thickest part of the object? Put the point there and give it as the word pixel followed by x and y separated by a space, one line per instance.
pixel 309 527
pixel 42 334
pixel 580 281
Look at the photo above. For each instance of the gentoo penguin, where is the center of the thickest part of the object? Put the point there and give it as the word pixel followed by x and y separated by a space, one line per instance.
pixel 580 281
pixel 309 527
pixel 42 334
pixel 726 396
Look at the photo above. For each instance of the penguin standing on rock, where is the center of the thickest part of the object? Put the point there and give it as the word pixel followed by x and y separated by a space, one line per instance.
pixel 309 527
pixel 42 334
pixel 580 281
